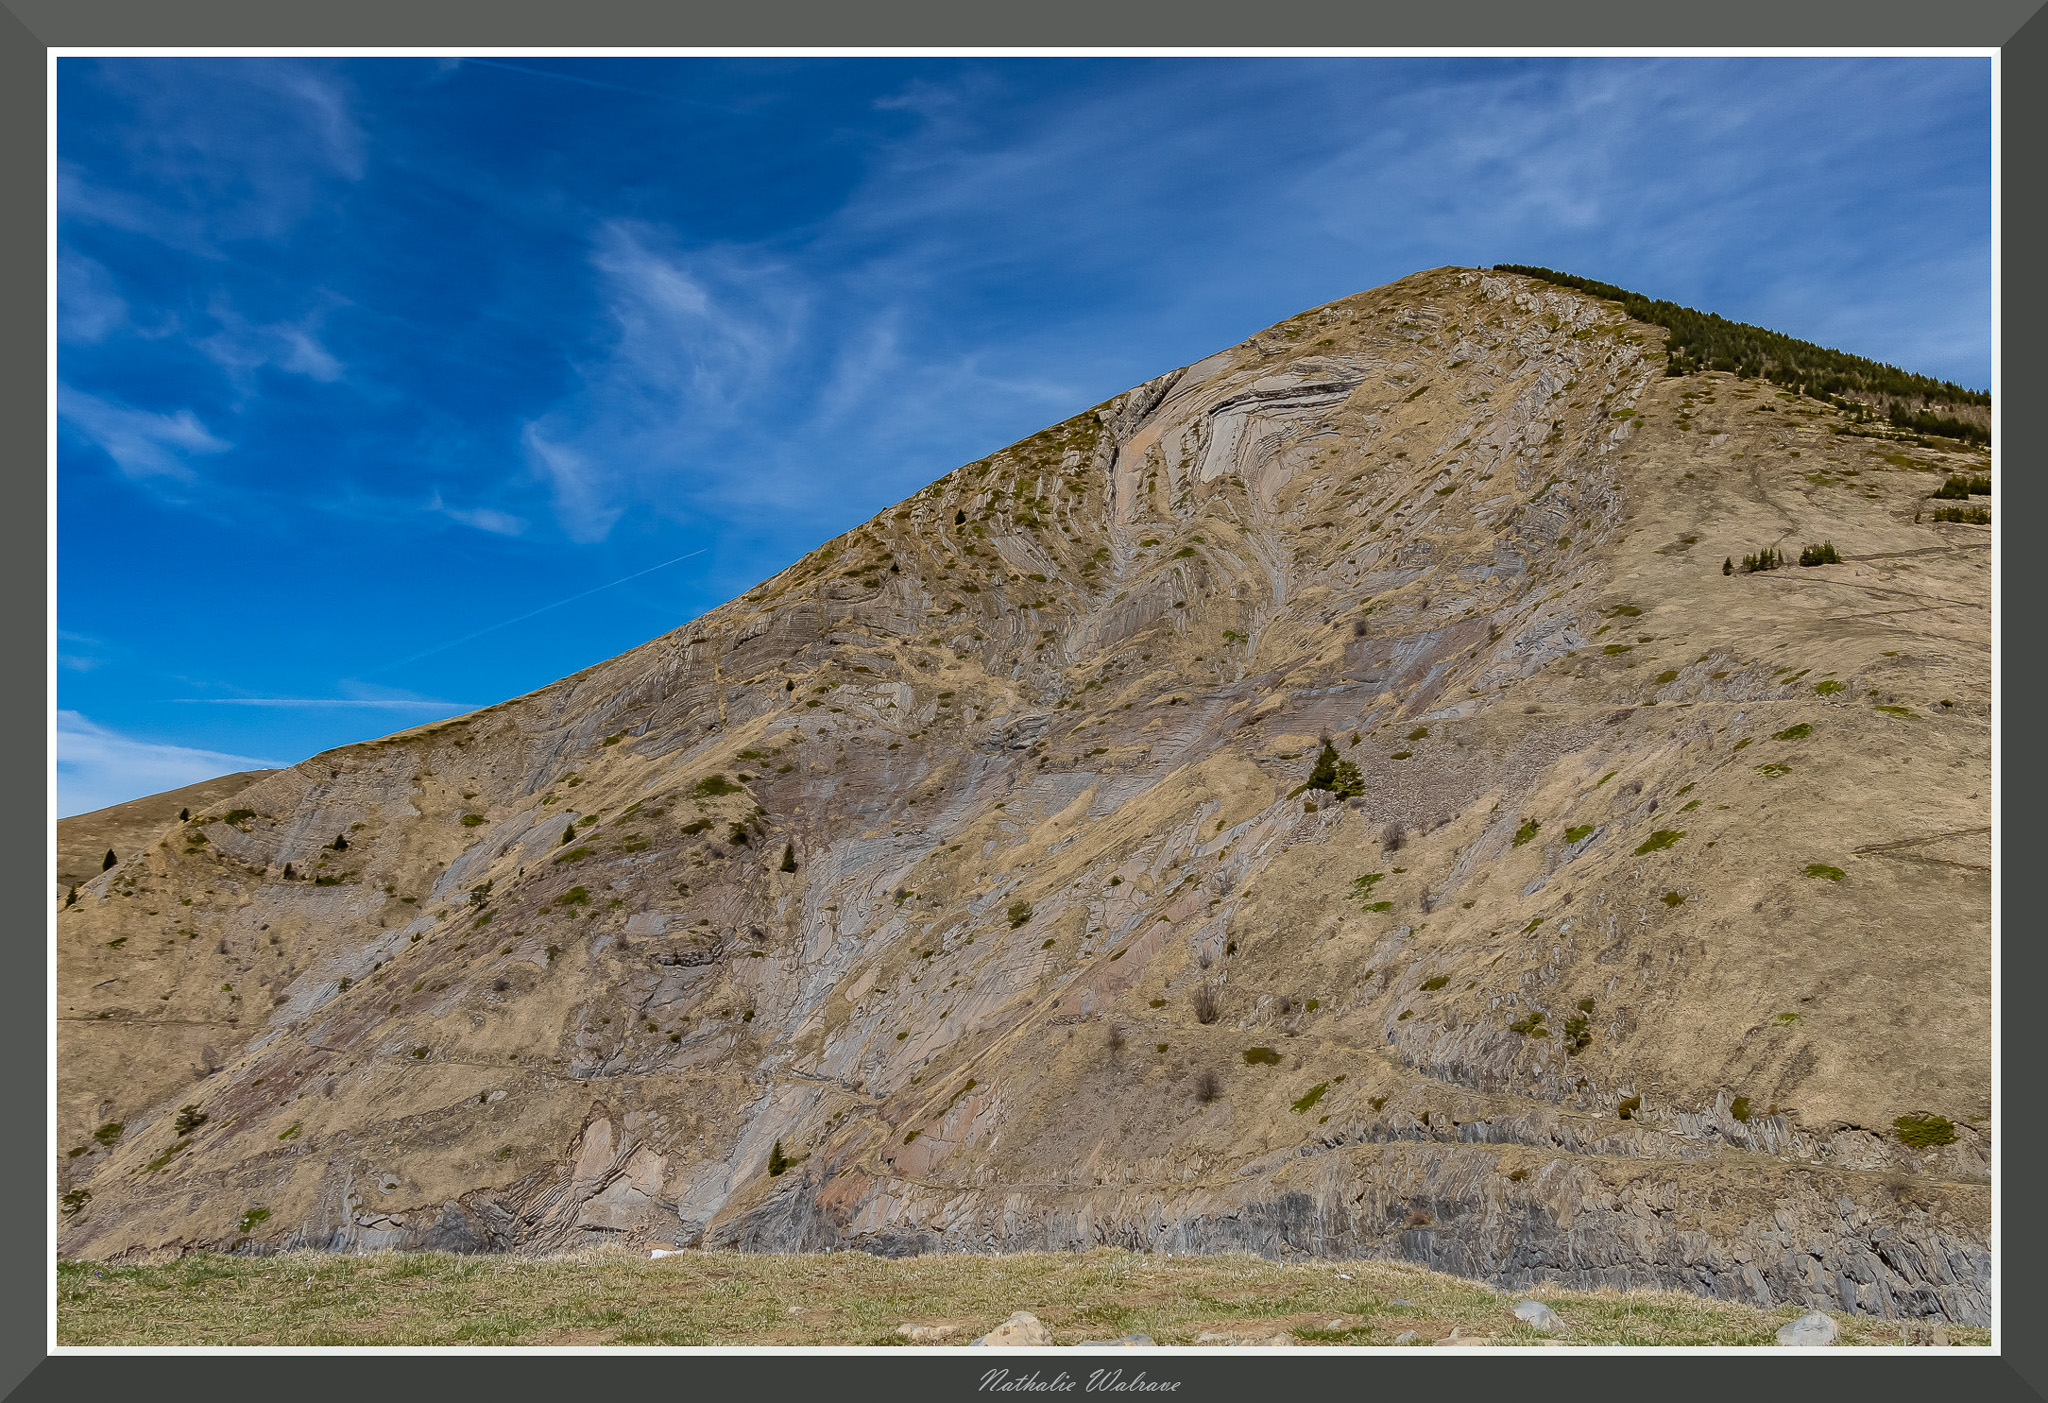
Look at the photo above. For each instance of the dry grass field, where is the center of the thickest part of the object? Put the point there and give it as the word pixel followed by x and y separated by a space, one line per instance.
pixel 616 1297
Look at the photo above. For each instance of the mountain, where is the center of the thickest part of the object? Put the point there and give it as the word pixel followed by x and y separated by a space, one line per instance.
pixel 984 881
pixel 84 840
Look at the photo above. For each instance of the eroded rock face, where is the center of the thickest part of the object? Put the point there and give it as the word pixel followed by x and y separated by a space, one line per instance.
pixel 957 890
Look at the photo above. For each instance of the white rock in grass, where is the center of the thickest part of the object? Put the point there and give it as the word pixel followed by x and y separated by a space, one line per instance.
pixel 1023 1328
pixel 1537 1316
pixel 1813 1328
pixel 928 1334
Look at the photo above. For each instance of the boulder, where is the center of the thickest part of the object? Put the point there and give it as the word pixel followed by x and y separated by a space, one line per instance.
pixel 1813 1328
pixel 1023 1328
pixel 1537 1316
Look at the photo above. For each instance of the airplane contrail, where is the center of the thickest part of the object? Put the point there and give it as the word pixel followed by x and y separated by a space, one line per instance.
pixel 507 623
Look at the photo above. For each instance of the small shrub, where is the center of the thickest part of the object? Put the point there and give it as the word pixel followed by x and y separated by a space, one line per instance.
pixel 235 818
pixel 190 1118
pixel 1798 732
pixel 1431 985
pixel 1208 1086
pixel 1821 869
pixel 713 786
pixel 1206 1007
pixel 1315 1094
pixel 1392 836
pixel 1739 1108
pixel 472 820
pixel 1526 832
pixel 1969 516
pixel 1019 913
pixel 1925 1132
pixel 1628 1108
pixel 1578 1033
pixel 1828 688
pixel 691 830
pixel 1256 1056
pixel 1659 840
pixel 736 834
pixel 75 1200
pixel 1530 1025
pixel 108 1133
pixel 574 855
pixel 788 857
pixel 1573 835
pixel 1667 677
pixel 575 896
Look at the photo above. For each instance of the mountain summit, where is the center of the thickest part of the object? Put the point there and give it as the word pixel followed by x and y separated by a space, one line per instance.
pixel 1345 797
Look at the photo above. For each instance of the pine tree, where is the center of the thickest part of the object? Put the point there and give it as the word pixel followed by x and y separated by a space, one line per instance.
pixel 72 898
pixel 341 842
pixel 108 865
pixel 1728 566
pixel 777 1161
pixel 789 857
pixel 568 835
pixel 184 815
pixel 287 871
pixel 1324 775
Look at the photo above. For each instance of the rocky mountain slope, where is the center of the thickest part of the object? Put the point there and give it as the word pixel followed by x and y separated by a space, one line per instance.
pixel 84 840
pixel 957 889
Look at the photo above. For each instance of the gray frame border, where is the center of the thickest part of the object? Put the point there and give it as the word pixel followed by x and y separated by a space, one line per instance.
pixel 28 28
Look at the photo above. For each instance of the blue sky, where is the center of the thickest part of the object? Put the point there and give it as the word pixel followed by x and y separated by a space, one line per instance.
pixel 358 358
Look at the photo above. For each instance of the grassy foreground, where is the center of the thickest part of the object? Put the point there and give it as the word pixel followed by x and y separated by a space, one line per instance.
pixel 614 1297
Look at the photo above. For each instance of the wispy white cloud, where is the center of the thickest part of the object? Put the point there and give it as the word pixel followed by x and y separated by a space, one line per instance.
pixel 142 444
pixel 242 347
pixel 89 306
pixel 498 523
pixel 98 767
pixel 584 505
pixel 224 149
pixel 698 341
